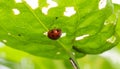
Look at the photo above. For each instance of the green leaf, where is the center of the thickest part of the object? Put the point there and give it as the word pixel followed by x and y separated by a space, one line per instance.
pixel 117 11
pixel 104 40
pixel 25 31
pixel 104 37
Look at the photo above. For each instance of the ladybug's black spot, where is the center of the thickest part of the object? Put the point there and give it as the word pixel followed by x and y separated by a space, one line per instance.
pixel 57 36
pixel 52 35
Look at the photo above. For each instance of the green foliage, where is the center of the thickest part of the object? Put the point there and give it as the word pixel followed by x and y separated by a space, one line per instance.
pixel 25 31
pixel 16 59
pixel 93 62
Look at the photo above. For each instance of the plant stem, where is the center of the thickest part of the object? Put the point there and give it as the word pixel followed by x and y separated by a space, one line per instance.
pixel 72 57
pixel 74 62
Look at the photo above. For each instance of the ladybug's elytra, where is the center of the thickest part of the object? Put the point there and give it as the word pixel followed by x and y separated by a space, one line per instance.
pixel 54 34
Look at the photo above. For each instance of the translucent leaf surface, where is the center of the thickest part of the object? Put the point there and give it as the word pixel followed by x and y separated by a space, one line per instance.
pixel 117 11
pixel 26 29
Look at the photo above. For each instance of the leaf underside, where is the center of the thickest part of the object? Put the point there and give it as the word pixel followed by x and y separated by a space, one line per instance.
pixel 25 31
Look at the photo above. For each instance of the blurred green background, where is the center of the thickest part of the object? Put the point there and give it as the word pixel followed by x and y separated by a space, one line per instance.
pixel 14 59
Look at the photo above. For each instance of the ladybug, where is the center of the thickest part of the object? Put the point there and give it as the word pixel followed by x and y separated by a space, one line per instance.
pixel 54 34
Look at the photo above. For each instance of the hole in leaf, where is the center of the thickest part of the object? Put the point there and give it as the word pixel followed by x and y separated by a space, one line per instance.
pixel 102 4
pixel 69 11
pixel 18 1
pixel 51 5
pixel 45 33
pixel 81 37
pixel 111 39
pixel 16 11
pixel 63 35
pixel 110 22
pixel 4 41
pixel 33 3
pixel 116 1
